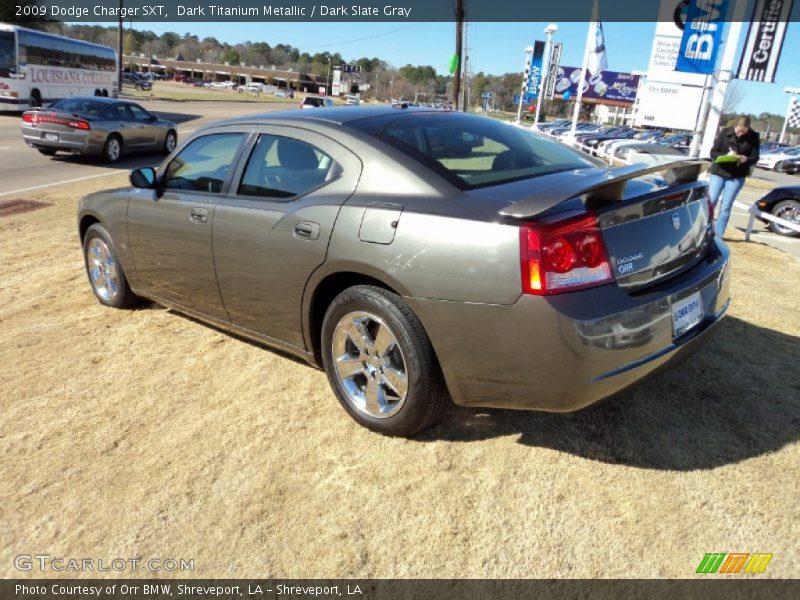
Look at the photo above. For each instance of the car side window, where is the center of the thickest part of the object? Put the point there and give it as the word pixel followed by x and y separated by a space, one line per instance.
pixel 203 165
pixel 139 114
pixel 281 167
pixel 118 112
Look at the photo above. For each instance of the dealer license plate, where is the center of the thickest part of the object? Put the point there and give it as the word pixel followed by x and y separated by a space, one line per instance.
pixel 51 137
pixel 686 313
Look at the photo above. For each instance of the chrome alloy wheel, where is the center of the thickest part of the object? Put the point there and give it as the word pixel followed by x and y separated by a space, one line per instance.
pixel 170 143
pixel 789 211
pixel 369 365
pixel 113 149
pixel 103 270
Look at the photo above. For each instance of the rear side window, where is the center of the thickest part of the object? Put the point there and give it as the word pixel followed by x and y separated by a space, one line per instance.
pixel 472 151
pixel 82 106
pixel 204 164
pixel 316 102
pixel 281 167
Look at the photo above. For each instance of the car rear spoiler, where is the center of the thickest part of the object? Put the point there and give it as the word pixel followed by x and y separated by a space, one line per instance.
pixel 608 184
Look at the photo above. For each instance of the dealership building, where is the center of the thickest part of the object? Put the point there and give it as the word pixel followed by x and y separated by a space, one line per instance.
pixel 241 74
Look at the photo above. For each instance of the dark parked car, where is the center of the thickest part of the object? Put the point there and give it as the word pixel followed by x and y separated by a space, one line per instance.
pixel 523 274
pixel 791 166
pixel 136 81
pixel 783 202
pixel 92 125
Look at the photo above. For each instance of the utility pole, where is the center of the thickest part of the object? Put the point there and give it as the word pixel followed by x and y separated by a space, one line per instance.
pixel 119 50
pixel 459 47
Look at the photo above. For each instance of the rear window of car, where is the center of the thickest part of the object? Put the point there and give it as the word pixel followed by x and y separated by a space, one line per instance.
pixel 314 102
pixel 83 106
pixel 472 151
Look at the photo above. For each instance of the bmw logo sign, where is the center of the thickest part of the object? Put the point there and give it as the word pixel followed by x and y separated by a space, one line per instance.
pixel 676 221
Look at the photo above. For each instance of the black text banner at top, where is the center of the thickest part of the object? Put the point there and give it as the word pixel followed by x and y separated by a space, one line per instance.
pixel 321 12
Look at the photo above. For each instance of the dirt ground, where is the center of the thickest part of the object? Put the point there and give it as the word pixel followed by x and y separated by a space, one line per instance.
pixel 145 434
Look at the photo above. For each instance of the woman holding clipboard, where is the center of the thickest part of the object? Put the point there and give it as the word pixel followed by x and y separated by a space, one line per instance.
pixel 734 153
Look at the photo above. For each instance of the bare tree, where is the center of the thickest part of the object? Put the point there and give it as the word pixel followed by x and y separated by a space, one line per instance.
pixel 733 98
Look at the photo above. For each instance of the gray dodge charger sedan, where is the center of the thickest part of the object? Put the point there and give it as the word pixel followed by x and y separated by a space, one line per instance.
pixel 94 125
pixel 420 256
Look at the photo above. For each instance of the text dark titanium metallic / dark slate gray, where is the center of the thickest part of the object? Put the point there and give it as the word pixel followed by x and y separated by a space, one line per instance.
pixel 420 255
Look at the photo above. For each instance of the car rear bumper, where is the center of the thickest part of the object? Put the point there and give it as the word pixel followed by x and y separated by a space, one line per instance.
pixel 563 353
pixel 80 142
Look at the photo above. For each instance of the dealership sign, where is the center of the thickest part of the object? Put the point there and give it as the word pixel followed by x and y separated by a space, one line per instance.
pixel 607 87
pixel 669 105
pixel 762 50
pixel 702 36
pixel 670 98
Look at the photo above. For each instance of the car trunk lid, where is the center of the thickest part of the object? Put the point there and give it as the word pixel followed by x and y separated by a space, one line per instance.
pixel 652 229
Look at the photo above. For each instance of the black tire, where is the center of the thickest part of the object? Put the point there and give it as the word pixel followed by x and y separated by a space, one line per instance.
pixel 167 146
pixel 426 394
pixel 122 296
pixel 47 151
pixel 110 155
pixel 784 209
pixel 35 99
pixel 778 166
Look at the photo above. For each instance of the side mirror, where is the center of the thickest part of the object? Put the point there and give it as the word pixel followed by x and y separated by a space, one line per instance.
pixel 143 178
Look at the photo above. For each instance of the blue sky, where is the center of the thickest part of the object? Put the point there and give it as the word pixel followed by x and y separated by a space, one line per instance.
pixel 494 48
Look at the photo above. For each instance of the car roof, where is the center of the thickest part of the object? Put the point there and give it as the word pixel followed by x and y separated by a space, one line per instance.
pixel 338 115
pixel 101 99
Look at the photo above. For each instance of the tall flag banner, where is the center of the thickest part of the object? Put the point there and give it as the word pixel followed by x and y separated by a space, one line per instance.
pixel 702 36
pixel 535 74
pixel 598 62
pixel 762 49
pixel 793 114
pixel 552 71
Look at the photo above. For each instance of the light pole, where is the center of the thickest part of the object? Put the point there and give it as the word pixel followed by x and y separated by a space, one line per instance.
pixel 528 58
pixel 328 78
pixel 793 92
pixel 549 30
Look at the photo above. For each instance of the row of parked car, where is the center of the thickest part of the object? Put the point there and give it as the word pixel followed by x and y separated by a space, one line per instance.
pixel 621 143
pixel 780 158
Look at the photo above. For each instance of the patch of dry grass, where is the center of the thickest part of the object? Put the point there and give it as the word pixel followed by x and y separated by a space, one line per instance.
pixel 145 434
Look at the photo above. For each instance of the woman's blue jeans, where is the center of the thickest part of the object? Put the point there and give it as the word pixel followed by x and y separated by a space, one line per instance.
pixel 729 188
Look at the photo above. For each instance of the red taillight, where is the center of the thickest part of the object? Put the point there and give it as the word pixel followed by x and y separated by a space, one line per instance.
pixel 564 256
pixel 36 119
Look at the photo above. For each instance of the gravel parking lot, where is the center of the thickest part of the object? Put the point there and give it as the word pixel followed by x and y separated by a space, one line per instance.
pixel 146 434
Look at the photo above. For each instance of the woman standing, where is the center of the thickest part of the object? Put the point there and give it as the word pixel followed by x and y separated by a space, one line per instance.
pixel 738 147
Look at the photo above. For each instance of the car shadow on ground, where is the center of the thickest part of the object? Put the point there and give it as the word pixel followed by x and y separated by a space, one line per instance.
pixel 737 398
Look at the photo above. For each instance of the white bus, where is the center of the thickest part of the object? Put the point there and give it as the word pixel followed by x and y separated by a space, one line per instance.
pixel 37 68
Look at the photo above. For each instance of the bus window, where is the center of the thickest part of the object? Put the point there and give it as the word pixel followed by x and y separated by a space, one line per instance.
pixel 8 64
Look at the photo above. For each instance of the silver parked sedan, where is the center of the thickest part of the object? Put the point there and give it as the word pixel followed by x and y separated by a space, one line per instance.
pixel 420 256
pixel 99 126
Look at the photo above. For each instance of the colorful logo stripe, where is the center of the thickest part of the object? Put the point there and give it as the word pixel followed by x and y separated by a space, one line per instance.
pixel 723 562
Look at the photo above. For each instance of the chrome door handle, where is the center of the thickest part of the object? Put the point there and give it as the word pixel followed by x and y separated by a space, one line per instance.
pixel 198 215
pixel 306 230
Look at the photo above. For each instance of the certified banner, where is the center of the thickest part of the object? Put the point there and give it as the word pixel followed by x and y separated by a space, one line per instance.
pixel 552 71
pixel 702 36
pixel 762 50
